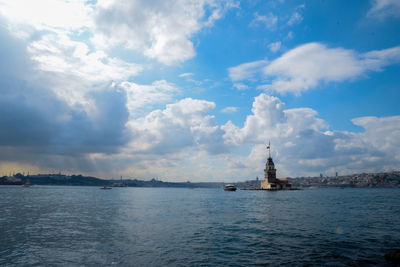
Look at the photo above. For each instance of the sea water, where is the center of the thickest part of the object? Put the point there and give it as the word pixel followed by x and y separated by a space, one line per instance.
pixel 75 226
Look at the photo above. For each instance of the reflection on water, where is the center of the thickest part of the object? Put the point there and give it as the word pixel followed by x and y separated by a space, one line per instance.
pixel 48 225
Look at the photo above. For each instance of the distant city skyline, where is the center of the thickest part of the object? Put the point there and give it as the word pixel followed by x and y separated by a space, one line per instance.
pixel 195 90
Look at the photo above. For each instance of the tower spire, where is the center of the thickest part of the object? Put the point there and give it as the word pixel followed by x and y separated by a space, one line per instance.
pixel 269 149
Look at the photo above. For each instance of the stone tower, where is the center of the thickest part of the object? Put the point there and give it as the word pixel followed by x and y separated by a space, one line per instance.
pixel 270 171
pixel 271 182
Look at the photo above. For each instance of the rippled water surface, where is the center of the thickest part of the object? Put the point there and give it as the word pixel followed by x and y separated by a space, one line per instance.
pixel 49 225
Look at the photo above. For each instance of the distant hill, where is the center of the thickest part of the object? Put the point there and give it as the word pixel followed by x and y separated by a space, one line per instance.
pixel 55 179
pixel 61 179
pixel 383 179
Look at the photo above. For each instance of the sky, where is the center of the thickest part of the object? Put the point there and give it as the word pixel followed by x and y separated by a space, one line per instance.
pixel 194 90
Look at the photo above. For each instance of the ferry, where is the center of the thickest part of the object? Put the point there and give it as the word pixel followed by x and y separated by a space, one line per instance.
pixel 106 187
pixel 230 187
pixel 27 183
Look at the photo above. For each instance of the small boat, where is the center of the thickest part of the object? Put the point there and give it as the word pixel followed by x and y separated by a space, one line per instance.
pixel 230 187
pixel 105 187
pixel 27 184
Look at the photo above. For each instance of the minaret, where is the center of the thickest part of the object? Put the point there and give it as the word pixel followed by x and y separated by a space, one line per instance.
pixel 270 171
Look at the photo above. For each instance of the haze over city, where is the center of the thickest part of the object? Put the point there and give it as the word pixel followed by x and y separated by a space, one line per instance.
pixel 194 90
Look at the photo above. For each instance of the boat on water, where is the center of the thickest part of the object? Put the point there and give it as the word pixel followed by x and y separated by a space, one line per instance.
pixel 27 184
pixel 106 187
pixel 230 187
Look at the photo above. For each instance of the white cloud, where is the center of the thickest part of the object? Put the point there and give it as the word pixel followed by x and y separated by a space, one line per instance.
pixel 141 98
pixel 384 8
pixel 230 110
pixel 377 59
pixel 274 47
pixel 159 29
pixel 58 53
pixel 302 146
pixel 181 125
pixel 241 86
pixel 305 66
pixel 380 133
pixel 246 71
pixel 269 20
pixel 308 65
pixel 290 35
pixel 71 70
pixel 295 19
pixel 65 61
pixel 45 14
pixel 182 137
pixel 187 74
pixel 270 120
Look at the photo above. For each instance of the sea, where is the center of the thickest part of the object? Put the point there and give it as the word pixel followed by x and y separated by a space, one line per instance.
pixel 86 226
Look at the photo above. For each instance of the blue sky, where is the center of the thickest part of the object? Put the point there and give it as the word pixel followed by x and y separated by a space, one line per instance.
pixel 193 90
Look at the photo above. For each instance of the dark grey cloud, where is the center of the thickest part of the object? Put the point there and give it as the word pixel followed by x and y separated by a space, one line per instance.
pixel 38 127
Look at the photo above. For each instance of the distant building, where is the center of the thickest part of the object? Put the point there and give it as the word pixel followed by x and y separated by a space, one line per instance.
pixel 270 181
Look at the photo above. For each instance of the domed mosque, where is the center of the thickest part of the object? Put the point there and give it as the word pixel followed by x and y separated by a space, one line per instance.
pixel 270 181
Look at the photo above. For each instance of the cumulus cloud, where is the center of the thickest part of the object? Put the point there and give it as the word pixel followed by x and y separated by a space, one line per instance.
pixel 65 42
pixel 269 120
pixel 81 109
pixel 178 126
pixel 384 8
pixel 305 66
pixel 302 145
pixel 63 60
pixel 141 98
pixel 70 15
pixel 181 141
pixel 40 128
pixel 37 124
pixel 308 65
pixel 84 112
pixel 72 71
pixel 160 30
pixel 157 29
pixel 58 53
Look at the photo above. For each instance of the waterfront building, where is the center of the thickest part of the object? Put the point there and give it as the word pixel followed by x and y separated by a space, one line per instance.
pixel 270 181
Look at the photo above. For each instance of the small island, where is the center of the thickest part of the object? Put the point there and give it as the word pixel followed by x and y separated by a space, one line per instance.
pixel 271 182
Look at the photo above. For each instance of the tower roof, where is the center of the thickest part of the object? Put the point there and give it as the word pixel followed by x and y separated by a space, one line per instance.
pixel 270 161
